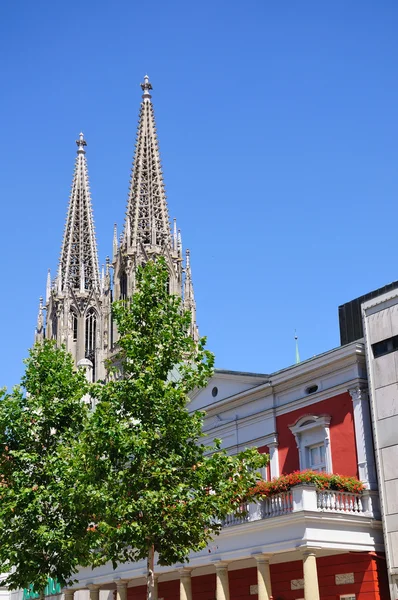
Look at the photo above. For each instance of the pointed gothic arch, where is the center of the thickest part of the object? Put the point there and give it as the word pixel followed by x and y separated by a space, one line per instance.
pixel 74 323
pixel 54 326
pixel 123 284
pixel 90 331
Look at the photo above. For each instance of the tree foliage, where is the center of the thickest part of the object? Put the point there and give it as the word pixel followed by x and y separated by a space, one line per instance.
pixel 41 522
pixel 155 484
pixel 128 479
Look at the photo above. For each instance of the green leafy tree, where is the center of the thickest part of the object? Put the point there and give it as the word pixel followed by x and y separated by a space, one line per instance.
pixel 154 486
pixel 41 522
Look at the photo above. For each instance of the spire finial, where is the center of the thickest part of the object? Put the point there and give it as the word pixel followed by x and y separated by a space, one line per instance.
pixel 297 348
pixel 146 87
pixel 81 142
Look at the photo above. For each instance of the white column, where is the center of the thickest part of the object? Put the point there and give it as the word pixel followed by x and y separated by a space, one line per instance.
pixel 263 577
pixel 222 582
pixel 311 587
pixel 121 589
pixel 363 437
pixel 274 457
pixel 185 584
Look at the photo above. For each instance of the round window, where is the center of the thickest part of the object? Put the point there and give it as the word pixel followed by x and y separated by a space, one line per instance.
pixel 214 392
pixel 311 389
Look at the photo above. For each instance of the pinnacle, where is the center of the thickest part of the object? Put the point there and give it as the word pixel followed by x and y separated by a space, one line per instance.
pixel 81 142
pixel 146 87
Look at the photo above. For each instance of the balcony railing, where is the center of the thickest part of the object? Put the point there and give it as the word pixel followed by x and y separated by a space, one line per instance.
pixel 308 498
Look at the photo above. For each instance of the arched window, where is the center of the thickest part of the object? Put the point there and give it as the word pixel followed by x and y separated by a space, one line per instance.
pixel 123 285
pixel 54 327
pixel 90 337
pixel 74 325
pixel 312 433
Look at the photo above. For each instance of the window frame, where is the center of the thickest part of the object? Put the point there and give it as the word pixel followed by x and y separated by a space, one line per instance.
pixel 74 324
pixel 309 431
pixel 317 466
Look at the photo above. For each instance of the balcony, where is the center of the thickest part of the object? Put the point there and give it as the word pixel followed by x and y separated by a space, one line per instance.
pixel 308 498
pixel 332 522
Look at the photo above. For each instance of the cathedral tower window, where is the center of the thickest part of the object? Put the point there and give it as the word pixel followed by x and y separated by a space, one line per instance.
pixel 74 325
pixel 90 337
pixel 54 327
pixel 123 285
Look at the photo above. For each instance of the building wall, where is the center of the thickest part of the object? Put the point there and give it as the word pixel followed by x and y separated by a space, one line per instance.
pixel 370 581
pixel 380 317
pixel 342 435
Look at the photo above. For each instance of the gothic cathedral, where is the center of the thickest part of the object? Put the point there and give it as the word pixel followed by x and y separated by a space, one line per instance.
pixel 78 302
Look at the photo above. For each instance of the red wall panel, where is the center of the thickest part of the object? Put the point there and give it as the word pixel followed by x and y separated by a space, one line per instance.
pixel 342 435
pixel 265 450
pixel 370 580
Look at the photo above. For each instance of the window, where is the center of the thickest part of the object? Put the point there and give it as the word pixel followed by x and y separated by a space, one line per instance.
pixel 54 327
pixel 311 389
pixel 313 442
pixel 385 346
pixel 123 285
pixel 90 336
pixel 74 325
pixel 316 457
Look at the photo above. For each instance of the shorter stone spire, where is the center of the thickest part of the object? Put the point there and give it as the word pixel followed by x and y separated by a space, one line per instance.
pixel 48 286
pixel 40 323
pixel 115 244
pixel 189 297
pixel 175 235
pixel 79 244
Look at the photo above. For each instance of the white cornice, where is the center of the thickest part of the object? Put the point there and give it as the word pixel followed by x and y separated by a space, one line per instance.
pixel 336 390
pixel 302 373
pixel 350 354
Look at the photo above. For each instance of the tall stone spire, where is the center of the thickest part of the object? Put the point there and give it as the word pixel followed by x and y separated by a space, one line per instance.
pixel 78 264
pixel 147 227
pixel 147 217
pixel 147 232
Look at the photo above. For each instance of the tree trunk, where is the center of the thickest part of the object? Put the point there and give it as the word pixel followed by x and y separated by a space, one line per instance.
pixel 150 576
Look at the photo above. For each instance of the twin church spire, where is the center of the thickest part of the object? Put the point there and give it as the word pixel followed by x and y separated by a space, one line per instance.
pixel 78 302
pixel 147 218
pixel 78 264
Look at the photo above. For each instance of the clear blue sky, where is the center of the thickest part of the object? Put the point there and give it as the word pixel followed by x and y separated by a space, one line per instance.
pixel 278 131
